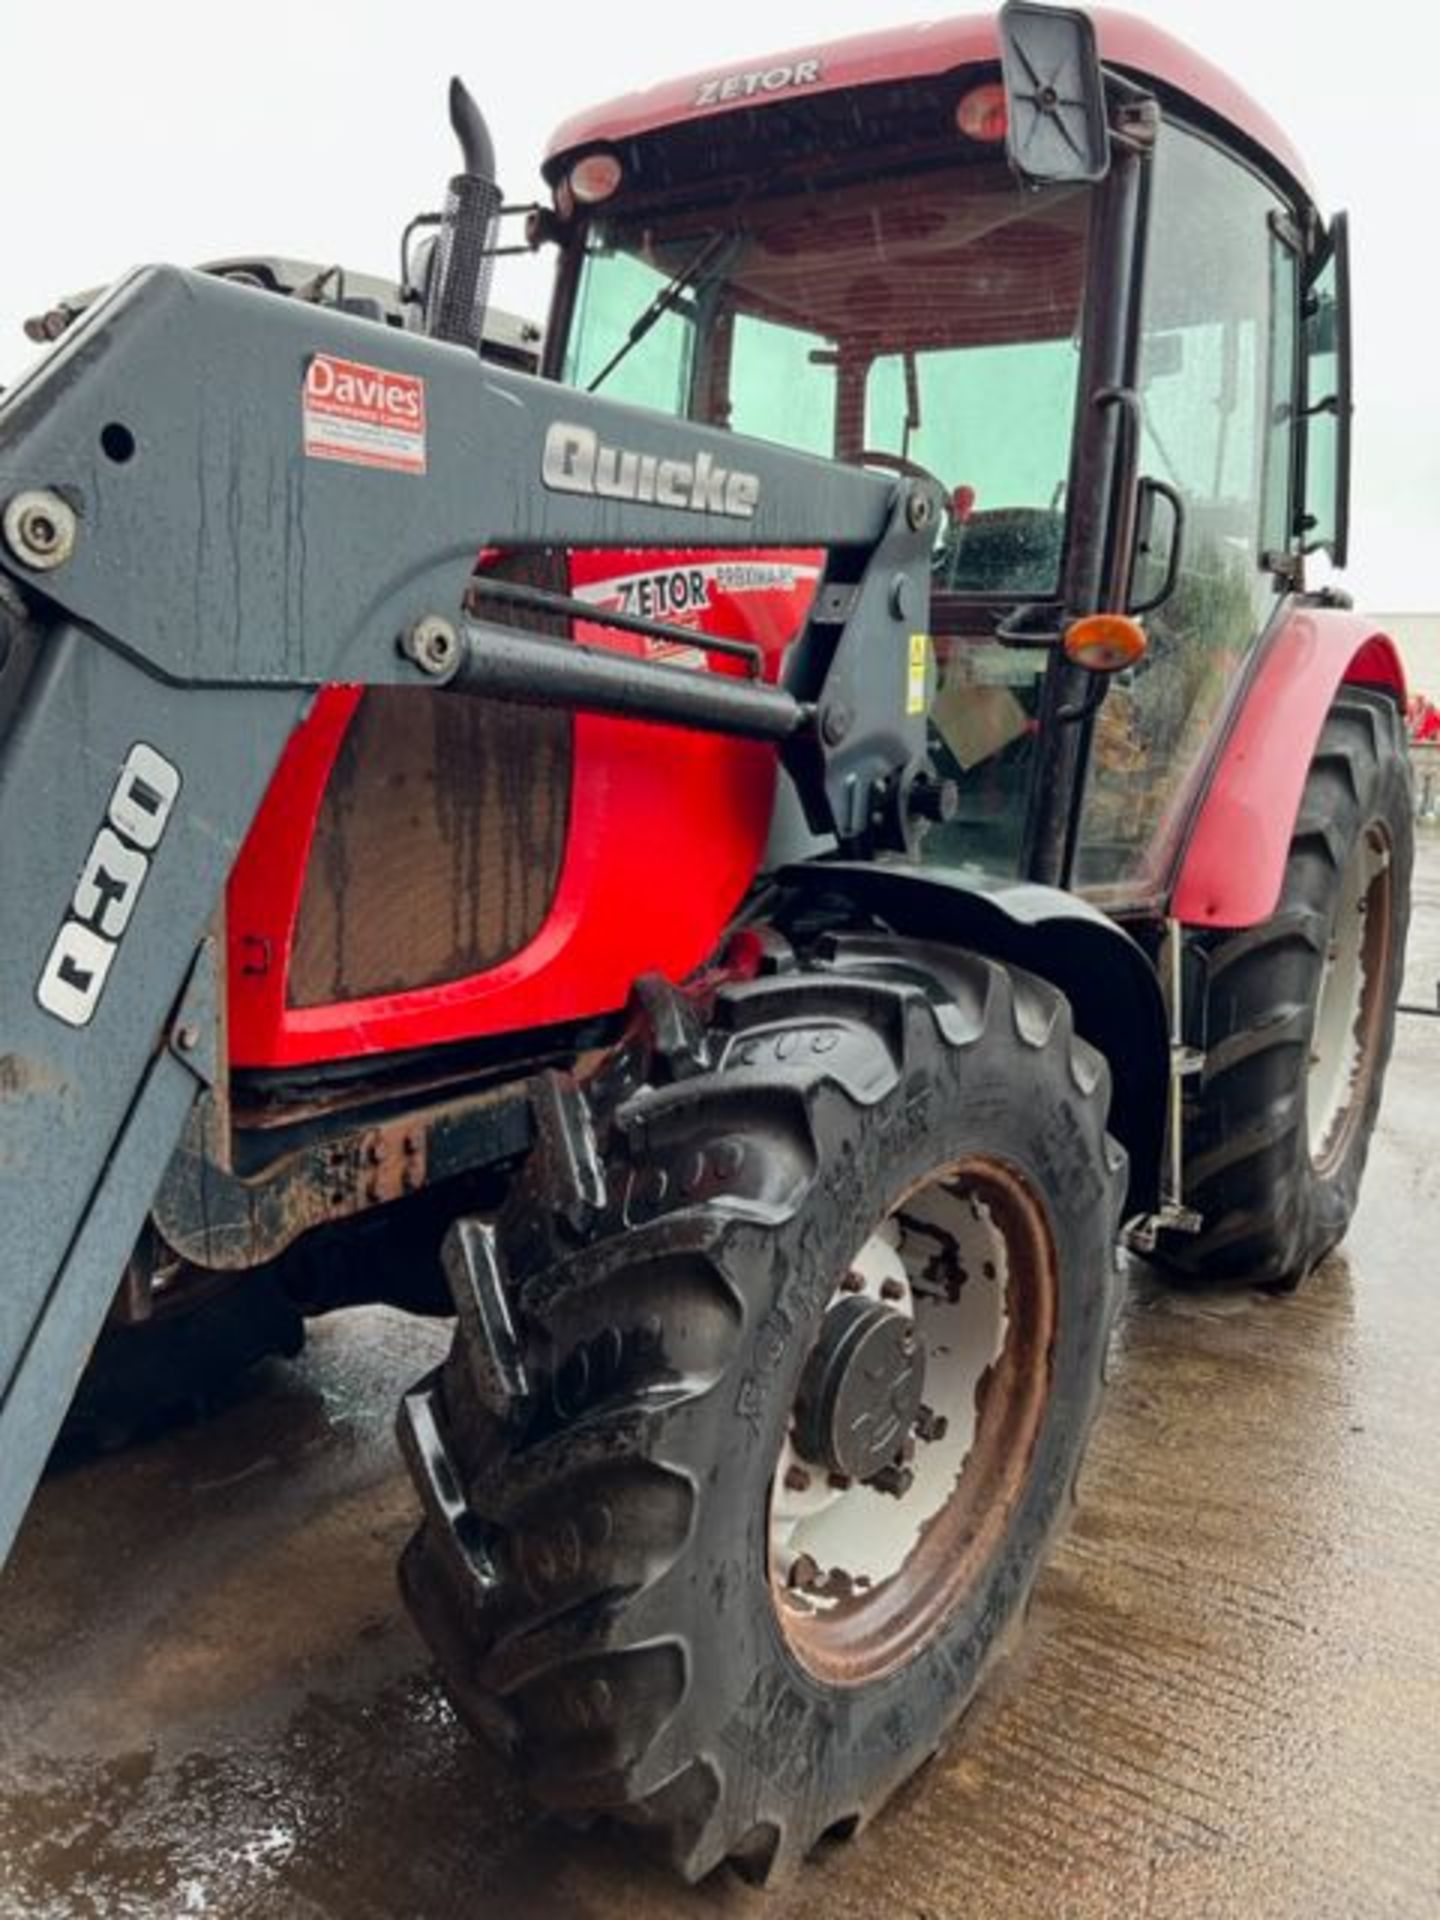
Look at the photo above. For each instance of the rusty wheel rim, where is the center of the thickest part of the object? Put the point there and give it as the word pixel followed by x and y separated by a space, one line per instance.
pixel 1350 1004
pixel 863 1575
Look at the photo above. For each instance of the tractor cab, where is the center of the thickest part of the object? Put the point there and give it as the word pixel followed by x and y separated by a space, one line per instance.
pixel 1098 358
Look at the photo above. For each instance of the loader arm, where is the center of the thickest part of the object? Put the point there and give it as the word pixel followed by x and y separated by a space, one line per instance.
pixel 196 540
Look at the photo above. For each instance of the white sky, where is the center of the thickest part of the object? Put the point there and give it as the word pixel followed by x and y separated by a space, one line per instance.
pixel 146 129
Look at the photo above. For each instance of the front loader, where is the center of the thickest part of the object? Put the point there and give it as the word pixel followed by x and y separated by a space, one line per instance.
pixel 738 868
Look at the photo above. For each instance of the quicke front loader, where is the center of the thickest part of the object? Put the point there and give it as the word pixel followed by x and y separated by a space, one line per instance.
pixel 738 867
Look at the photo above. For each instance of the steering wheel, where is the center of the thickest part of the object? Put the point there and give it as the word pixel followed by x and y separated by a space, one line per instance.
pixel 912 470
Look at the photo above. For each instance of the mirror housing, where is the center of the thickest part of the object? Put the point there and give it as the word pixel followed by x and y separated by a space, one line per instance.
pixel 1056 131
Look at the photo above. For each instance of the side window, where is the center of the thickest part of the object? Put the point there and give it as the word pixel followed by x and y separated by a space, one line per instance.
pixel 1327 398
pixel 1217 382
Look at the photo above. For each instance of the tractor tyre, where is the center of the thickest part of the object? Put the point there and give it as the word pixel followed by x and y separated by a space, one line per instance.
pixel 1298 1016
pixel 788 1432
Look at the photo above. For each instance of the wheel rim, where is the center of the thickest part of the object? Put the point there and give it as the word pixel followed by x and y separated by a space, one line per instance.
pixel 1350 1003
pixel 864 1573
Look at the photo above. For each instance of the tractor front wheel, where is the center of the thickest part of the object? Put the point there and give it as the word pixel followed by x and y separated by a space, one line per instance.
pixel 801 1413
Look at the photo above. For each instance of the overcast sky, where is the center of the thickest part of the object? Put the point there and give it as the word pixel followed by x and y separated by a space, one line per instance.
pixel 145 129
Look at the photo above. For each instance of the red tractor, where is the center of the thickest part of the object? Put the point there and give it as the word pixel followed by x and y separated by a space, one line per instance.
pixel 883 818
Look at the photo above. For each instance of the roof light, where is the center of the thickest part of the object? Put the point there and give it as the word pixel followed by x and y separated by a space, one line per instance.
pixel 595 178
pixel 981 112
pixel 1105 642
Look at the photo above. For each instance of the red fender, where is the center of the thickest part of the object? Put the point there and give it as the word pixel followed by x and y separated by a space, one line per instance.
pixel 1231 871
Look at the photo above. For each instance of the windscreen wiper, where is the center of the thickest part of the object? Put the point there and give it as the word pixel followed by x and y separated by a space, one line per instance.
pixel 665 300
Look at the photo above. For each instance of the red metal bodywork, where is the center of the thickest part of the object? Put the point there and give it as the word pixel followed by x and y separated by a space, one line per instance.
pixel 667 828
pixel 911 52
pixel 666 832
pixel 1234 860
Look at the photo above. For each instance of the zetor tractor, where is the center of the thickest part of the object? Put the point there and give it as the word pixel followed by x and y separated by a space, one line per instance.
pixel 740 867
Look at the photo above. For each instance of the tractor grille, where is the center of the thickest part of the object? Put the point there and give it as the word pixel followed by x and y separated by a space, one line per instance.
pixel 438 844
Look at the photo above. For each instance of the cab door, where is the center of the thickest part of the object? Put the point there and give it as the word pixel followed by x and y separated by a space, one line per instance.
pixel 1218 390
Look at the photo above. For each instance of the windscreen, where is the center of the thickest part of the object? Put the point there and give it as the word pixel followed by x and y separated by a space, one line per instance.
pixel 922 322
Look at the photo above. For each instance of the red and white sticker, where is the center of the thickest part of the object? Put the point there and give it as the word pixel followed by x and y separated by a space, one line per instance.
pixel 365 415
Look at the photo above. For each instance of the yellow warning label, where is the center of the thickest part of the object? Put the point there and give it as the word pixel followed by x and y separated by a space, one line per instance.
pixel 919 673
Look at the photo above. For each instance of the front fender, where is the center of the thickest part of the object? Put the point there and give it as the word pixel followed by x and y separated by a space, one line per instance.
pixel 1233 863
pixel 1112 987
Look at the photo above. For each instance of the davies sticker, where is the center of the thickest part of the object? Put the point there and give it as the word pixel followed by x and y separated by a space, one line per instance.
pixel 364 415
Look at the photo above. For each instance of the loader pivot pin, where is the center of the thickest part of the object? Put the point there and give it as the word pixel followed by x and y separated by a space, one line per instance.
pixel 433 644
pixel 40 530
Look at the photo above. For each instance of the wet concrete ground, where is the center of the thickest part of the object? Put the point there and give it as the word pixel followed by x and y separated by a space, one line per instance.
pixel 1228 1701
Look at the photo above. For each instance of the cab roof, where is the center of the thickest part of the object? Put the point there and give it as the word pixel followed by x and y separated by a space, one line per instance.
pixel 921 50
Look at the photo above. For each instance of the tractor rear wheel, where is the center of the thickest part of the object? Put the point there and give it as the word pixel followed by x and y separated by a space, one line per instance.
pixel 1298 1019
pixel 787 1433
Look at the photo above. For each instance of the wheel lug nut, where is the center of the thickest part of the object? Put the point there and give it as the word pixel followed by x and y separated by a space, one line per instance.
pixel 891 1290
pixel 894 1480
pixel 930 1425
pixel 797 1480
pixel 853 1282
pixel 804 1572
pixel 839 1482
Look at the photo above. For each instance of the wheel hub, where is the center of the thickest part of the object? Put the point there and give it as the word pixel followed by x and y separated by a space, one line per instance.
pixel 882 1502
pixel 862 1388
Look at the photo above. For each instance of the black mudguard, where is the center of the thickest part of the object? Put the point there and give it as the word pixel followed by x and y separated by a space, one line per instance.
pixel 1108 979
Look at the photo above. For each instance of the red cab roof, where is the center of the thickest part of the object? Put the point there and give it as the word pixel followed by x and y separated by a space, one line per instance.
pixel 911 52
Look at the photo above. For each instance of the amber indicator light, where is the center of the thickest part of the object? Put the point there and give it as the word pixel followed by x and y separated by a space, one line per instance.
pixel 1105 642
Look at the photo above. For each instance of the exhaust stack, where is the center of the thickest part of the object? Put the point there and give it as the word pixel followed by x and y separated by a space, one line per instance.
pixel 458 287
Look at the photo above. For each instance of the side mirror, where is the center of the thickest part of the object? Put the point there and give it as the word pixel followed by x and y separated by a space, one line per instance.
pixel 1159 540
pixel 1055 126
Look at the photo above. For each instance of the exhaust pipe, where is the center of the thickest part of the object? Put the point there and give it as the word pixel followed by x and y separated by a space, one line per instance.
pixel 458 285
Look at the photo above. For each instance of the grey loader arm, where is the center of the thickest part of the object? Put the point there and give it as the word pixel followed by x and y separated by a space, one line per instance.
pixel 210 576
